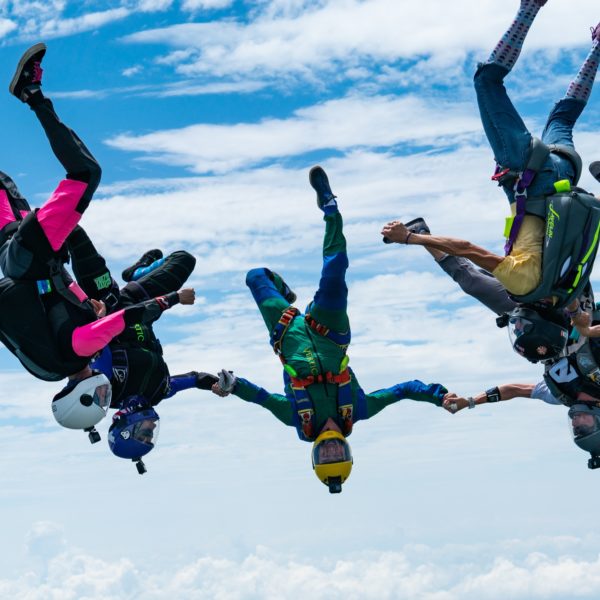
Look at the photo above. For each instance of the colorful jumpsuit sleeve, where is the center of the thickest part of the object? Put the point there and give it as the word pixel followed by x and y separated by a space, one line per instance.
pixel 412 390
pixel 279 405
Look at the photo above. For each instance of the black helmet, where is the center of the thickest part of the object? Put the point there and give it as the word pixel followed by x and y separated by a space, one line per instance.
pixel 534 337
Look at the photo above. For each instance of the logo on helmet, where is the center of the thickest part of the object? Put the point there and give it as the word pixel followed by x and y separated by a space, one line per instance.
pixel 125 434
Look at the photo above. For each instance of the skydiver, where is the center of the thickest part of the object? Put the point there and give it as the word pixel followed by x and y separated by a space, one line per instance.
pixel 45 318
pixel 539 332
pixel 133 361
pixel 323 398
pixel 520 272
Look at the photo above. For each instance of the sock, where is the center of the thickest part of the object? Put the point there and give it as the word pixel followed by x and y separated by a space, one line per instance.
pixel 581 87
pixel 509 47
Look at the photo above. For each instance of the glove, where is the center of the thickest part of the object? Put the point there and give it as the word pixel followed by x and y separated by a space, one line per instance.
pixel 204 381
pixel 227 380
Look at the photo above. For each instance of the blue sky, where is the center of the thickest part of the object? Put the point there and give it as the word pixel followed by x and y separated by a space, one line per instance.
pixel 206 116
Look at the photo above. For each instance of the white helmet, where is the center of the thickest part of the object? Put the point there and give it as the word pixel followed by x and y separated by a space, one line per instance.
pixel 83 404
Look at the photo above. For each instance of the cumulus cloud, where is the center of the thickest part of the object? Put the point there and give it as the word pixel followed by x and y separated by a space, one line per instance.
pixel 381 121
pixel 341 36
pixel 195 5
pixel 418 572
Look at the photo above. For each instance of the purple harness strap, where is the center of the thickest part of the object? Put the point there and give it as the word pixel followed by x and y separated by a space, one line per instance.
pixel 521 185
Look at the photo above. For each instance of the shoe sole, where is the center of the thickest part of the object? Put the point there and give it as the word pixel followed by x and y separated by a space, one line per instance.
pixel 386 240
pixel 418 221
pixel 26 56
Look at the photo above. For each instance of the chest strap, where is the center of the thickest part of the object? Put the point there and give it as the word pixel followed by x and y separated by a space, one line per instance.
pixel 305 407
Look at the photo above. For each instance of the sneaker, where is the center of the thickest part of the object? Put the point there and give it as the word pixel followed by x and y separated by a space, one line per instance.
pixel 147 259
pixel 320 183
pixel 28 76
pixel 418 225
pixel 595 169
pixel 595 33
pixel 283 287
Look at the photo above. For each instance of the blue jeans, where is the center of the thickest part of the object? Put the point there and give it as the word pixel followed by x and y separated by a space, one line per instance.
pixel 509 137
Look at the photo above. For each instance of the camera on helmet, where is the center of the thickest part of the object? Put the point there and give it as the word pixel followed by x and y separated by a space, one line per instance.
pixel 93 435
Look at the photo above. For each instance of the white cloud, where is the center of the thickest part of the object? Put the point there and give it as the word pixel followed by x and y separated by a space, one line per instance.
pixel 195 5
pixel 447 573
pixel 307 39
pixel 6 26
pixel 376 121
pixel 58 27
pixel 154 5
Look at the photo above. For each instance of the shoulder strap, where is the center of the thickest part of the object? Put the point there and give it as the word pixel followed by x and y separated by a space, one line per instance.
pixel 279 331
pixel 537 156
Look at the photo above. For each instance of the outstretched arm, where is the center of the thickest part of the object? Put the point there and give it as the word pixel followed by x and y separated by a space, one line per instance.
pixel 277 404
pixel 397 232
pixel 506 391
pixel 92 337
pixel 433 393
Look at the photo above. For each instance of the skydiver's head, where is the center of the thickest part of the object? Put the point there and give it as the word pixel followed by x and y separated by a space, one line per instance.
pixel 332 457
pixel 584 421
pixel 83 402
pixel 537 335
pixel 134 430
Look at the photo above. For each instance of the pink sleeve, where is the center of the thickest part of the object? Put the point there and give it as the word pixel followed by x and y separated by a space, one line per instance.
pixel 89 339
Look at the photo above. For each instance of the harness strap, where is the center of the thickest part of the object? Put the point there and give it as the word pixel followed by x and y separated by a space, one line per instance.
pixel 341 339
pixel 304 404
pixel 281 328
pixel 537 156
pixel 329 377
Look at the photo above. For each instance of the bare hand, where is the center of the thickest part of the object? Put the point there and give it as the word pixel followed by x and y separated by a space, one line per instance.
pixel 395 231
pixel 583 320
pixel 216 389
pixel 187 296
pixel 99 307
pixel 453 403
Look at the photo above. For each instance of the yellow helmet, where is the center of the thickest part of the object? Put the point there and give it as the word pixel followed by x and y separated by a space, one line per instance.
pixel 332 459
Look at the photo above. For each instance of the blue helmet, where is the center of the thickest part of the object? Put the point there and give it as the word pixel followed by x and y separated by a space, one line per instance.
pixel 134 431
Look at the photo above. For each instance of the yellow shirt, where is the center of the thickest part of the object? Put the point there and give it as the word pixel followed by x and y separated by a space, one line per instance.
pixel 521 271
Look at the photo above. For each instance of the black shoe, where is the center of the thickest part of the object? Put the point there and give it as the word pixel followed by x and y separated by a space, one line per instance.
pixel 595 169
pixel 284 289
pixel 418 225
pixel 320 183
pixel 28 76
pixel 147 259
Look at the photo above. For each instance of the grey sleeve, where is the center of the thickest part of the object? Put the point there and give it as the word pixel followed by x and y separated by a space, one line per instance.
pixel 541 392
pixel 479 284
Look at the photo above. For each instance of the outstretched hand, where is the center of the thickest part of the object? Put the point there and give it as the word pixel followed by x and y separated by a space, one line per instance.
pixel 226 383
pixel 395 231
pixel 453 403
pixel 187 295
